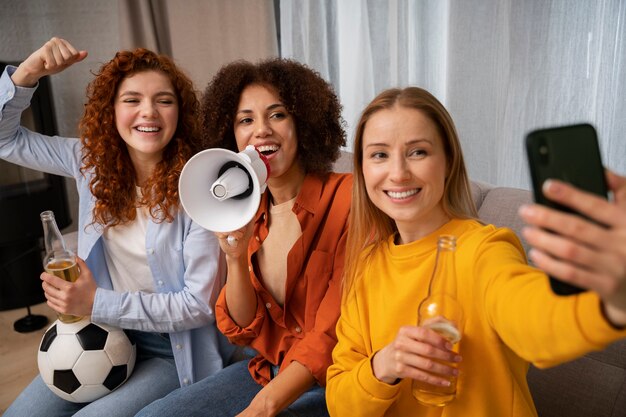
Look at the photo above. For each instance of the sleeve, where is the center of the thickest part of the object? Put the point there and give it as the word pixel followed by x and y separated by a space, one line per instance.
pixel 314 350
pixel 52 154
pixel 236 334
pixel 193 274
pixel 538 325
pixel 352 388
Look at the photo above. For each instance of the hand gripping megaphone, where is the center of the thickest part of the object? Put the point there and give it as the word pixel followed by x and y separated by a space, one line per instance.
pixel 221 189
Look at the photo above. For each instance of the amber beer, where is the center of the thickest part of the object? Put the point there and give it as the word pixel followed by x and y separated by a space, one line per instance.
pixel 59 260
pixel 68 271
pixel 429 394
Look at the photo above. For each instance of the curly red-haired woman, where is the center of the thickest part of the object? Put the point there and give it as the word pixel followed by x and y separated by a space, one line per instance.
pixel 147 267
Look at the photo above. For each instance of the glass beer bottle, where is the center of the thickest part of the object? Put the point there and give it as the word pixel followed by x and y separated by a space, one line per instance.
pixel 442 312
pixel 59 260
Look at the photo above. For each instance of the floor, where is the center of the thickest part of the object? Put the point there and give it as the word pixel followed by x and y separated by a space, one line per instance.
pixel 18 353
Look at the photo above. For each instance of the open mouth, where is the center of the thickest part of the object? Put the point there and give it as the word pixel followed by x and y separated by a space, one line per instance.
pixel 268 150
pixel 401 195
pixel 148 129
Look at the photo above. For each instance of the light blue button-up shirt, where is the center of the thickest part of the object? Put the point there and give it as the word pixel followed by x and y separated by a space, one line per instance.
pixel 188 268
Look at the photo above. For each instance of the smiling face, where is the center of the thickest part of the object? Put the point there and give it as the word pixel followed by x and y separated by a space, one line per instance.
pixel 146 115
pixel 262 120
pixel 404 170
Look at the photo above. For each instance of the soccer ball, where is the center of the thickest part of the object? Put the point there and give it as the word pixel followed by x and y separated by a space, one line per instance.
pixel 83 361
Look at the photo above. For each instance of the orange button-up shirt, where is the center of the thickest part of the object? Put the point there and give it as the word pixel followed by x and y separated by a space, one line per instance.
pixel 303 329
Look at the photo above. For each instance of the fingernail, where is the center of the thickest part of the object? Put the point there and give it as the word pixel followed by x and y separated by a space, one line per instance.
pixel 525 210
pixel 449 346
pixel 551 186
pixel 534 255
pixel 445 383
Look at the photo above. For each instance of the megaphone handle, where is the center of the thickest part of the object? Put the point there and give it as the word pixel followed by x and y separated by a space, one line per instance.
pixel 232 241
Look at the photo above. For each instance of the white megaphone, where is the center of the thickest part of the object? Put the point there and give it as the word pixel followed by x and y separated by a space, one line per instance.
pixel 221 189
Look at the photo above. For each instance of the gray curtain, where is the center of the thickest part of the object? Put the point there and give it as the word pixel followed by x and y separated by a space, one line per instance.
pixel 501 67
pixel 200 35
pixel 144 23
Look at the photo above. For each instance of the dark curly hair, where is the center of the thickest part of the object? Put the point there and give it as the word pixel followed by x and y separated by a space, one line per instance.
pixel 106 154
pixel 309 99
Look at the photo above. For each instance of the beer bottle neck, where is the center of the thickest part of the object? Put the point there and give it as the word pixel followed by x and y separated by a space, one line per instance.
pixel 53 240
pixel 443 279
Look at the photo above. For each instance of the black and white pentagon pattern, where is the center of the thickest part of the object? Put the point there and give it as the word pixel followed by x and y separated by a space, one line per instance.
pixel 83 361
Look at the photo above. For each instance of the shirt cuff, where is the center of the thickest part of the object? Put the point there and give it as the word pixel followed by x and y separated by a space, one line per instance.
pixel 371 384
pixel 594 325
pixel 105 305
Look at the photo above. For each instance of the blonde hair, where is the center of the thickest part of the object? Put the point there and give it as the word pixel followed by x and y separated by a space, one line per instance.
pixel 371 226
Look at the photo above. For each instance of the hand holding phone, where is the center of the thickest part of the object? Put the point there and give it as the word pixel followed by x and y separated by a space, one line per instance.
pixel 570 154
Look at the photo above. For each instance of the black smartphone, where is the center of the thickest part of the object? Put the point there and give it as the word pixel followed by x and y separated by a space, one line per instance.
pixel 570 154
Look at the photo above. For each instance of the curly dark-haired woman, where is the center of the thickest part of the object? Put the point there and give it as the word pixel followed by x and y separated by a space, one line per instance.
pixel 282 293
pixel 147 267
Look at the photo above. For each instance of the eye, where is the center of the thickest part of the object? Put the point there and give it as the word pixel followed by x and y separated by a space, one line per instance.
pixel 245 120
pixel 278 115
pixel 166 101
pixel 130 100
pixel 378 155
pixel 418 152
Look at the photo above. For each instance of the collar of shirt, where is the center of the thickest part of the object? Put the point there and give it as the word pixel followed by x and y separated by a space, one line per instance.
pixel 305 201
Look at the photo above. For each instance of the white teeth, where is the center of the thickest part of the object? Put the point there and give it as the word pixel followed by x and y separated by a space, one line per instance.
pixel 268 148
pixel 403 194
pixel 148 128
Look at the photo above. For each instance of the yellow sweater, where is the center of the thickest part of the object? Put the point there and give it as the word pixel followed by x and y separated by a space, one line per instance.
pixel 511 318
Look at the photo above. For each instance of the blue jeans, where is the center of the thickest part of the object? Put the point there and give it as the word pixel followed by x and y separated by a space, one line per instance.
pixel 154 376
pixel 227 393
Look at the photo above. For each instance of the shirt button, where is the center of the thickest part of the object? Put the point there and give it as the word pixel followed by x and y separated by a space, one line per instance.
pixel 160 283
pixel 179 346
pixel 268 305
pixel 249 268
pixel 150 251
pixel 257 238
pixel 298 329
pixel 186 381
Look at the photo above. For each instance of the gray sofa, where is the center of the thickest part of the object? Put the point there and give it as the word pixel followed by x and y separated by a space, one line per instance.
pixel 591 386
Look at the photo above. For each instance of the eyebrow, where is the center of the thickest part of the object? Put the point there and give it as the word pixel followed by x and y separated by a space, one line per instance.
pixel 137 93
pixel 409 142
pixel 270 107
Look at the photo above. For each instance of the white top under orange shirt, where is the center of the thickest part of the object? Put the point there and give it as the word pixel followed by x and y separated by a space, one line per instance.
pixel 284 230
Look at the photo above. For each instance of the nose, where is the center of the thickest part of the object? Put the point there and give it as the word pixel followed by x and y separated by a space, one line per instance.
pixel 262 129
pixel 399 170
pixel 149 110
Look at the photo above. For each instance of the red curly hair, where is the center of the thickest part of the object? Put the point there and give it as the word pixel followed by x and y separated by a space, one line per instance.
pixel 105 154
